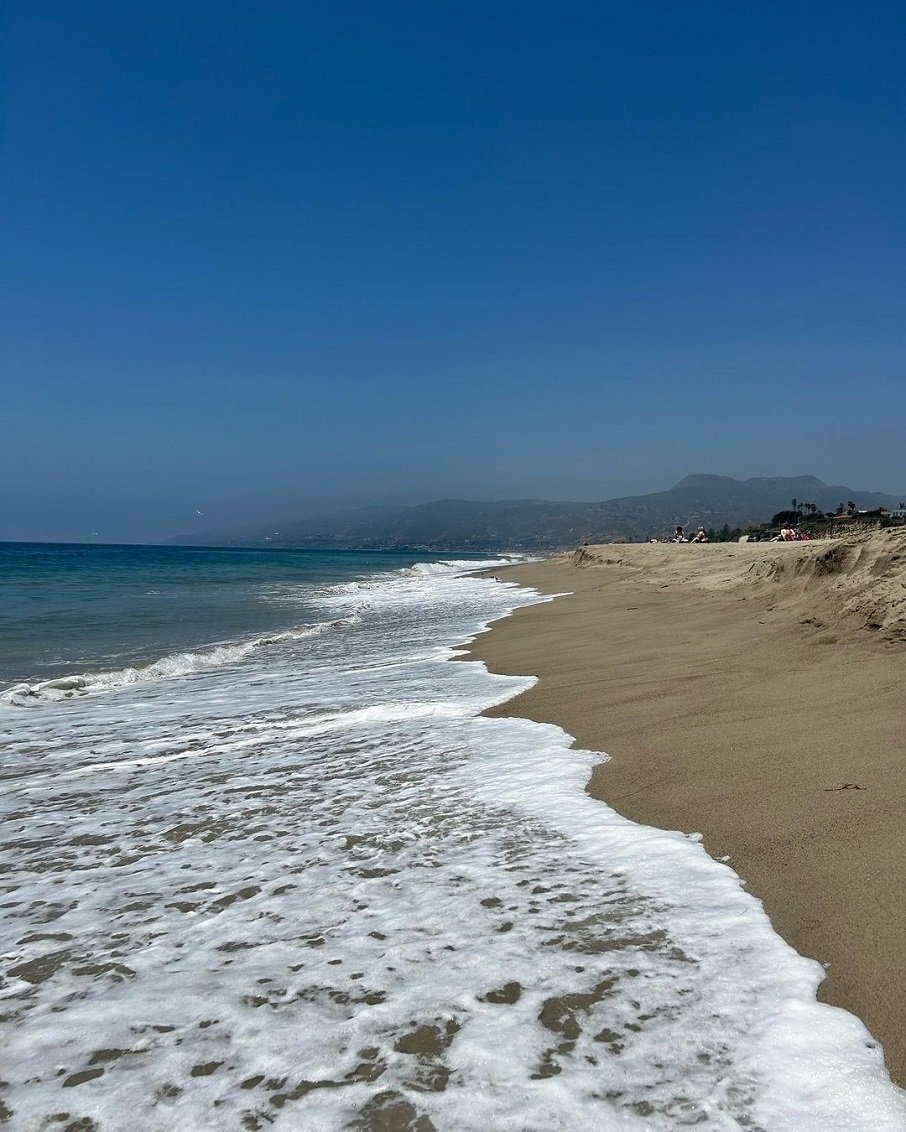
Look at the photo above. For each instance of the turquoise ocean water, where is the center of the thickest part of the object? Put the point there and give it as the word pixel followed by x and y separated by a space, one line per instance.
pixel 68 608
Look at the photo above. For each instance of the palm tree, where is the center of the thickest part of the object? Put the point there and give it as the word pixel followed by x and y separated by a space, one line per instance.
pixel 851 508
pixel 795 503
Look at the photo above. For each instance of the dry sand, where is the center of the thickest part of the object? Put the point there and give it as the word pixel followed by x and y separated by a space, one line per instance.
pixel 753 693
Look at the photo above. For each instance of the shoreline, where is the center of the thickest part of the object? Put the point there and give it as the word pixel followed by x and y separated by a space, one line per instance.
pixel 751 693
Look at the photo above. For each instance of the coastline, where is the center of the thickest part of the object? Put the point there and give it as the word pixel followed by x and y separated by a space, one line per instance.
pixel 751 693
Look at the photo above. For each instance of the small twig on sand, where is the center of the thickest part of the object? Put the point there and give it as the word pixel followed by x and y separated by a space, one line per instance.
pixel 647 786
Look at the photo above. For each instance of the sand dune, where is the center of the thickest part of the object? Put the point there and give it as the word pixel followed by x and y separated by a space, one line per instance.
pixel 753 693
pixel 861 579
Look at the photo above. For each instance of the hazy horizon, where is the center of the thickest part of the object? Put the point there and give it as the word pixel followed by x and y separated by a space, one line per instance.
pixel 276 521
pixel 264 263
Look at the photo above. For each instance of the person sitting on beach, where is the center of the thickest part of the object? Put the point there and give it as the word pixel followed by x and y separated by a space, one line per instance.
pixel 680 535
pixel 787 534
pixel 700 535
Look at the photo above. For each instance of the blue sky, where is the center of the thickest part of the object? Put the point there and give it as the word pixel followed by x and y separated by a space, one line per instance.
pixel 268 260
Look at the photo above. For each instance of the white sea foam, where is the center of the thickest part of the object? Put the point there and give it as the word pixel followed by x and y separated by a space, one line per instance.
pixel 316 890
pixel 167 667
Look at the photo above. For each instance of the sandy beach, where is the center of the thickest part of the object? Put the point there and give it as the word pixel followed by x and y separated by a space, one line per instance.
pixel 753 693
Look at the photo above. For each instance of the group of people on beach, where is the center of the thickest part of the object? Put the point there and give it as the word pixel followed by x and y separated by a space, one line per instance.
pixel 787 534
pixel 701 535
pixel 790 534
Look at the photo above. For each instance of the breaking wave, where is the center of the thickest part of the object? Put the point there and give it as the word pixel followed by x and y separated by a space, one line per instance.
pixel 167 667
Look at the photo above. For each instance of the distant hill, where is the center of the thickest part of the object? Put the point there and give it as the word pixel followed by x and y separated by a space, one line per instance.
pixel 538 525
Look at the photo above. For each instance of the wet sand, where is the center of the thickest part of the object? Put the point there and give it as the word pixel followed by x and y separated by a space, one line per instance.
pixel 755 694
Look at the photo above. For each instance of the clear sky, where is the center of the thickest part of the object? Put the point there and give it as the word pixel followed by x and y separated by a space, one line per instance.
pixel 263 260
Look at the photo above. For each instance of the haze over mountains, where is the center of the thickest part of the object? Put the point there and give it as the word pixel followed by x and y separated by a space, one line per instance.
pixel 536 525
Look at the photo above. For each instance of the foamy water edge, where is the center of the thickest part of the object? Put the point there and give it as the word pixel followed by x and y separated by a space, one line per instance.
pixel 528 876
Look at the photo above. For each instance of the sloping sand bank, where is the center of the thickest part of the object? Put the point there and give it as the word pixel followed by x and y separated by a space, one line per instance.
pixel 754 693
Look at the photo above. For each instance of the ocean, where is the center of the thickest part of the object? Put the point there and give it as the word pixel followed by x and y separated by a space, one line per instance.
pixel 265 865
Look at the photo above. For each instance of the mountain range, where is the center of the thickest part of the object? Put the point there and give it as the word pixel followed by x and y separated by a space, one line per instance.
pixel 538 525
